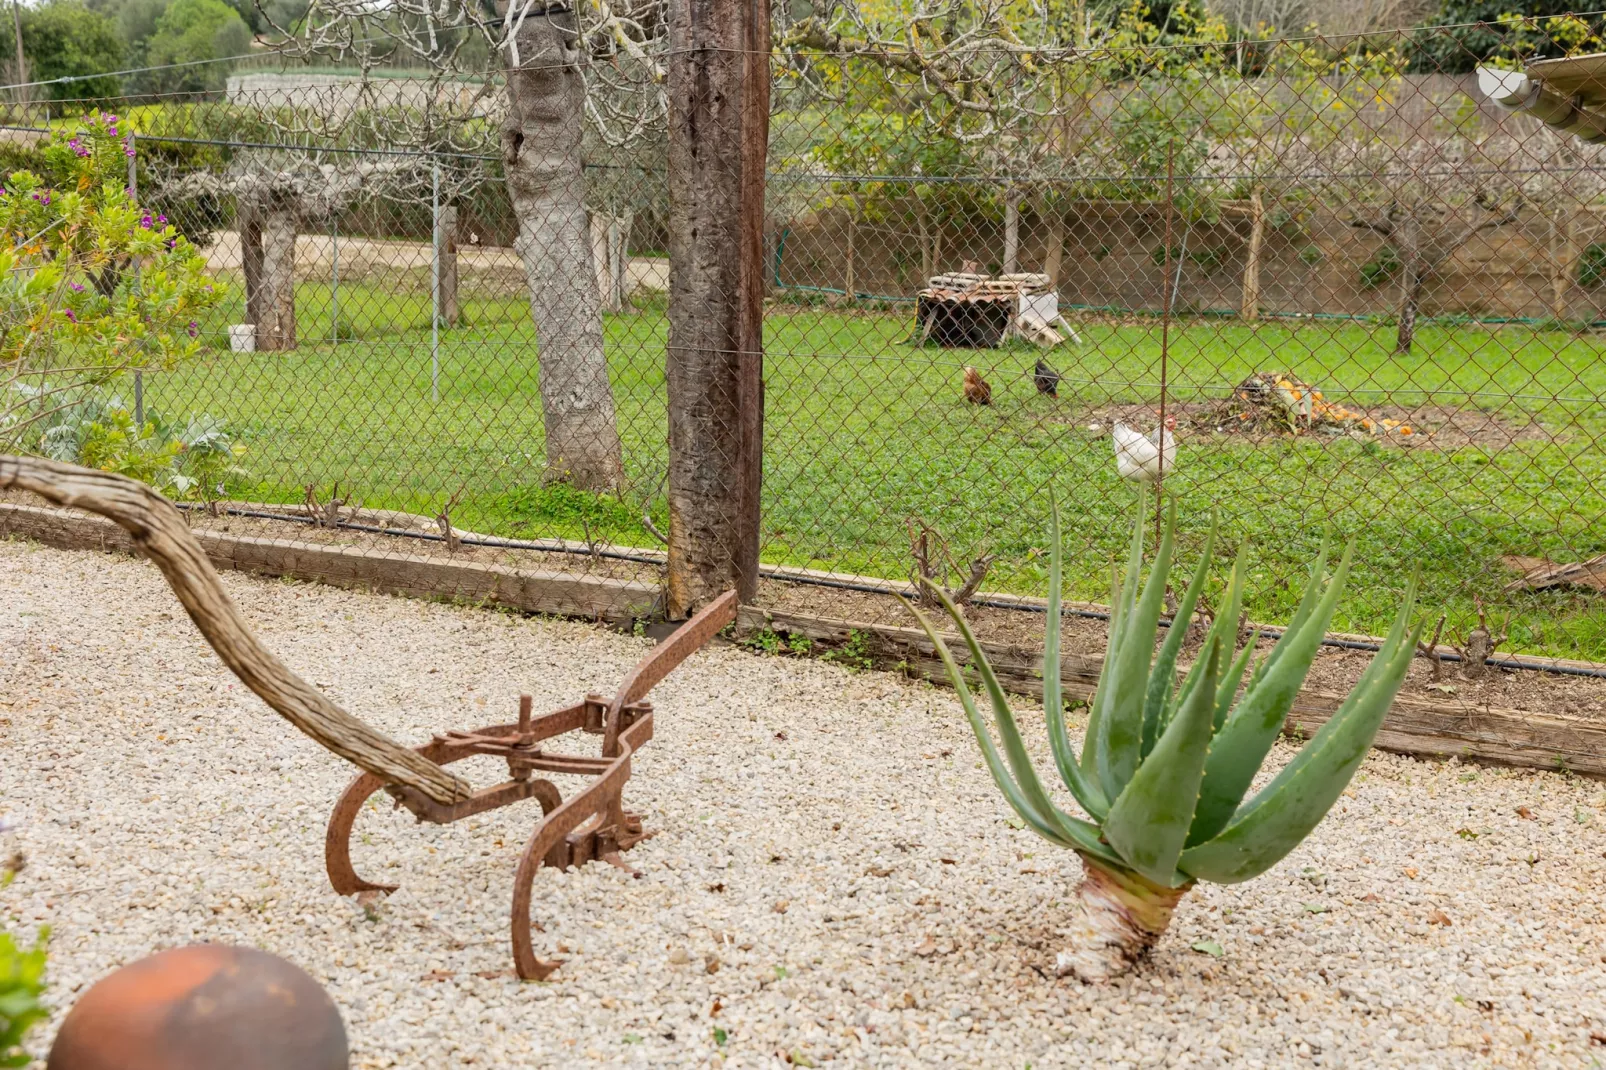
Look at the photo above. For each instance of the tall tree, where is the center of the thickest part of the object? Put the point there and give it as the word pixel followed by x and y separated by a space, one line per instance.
pixel 64 39
pixel 541 155
pixel 555 67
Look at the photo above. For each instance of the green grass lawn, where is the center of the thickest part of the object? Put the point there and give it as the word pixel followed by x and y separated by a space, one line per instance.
pixel 863 432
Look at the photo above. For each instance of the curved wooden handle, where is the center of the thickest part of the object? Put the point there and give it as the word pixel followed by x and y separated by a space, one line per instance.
pixel 163 536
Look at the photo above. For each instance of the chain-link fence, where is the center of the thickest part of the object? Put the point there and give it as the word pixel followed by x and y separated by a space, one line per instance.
pixel 1361 297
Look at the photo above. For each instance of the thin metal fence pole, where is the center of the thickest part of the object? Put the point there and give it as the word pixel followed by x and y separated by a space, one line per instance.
pixel 1167 297
pixel 435 284
pixel 334 279
pixel 133 193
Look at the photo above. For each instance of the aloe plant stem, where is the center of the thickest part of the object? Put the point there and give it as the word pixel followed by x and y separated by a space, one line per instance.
pixel 1122 916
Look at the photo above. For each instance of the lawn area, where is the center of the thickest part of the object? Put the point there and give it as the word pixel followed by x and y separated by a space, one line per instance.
pixel 863 431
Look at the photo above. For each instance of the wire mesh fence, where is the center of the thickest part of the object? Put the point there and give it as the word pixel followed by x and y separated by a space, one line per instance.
pixel 1349 292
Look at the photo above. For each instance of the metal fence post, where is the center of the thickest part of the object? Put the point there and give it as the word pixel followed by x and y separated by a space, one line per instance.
pixel 334 279
pixel 133 193
pixel 435 284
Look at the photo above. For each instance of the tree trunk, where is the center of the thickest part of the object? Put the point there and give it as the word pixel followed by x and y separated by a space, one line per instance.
pixel 541 156
pixel 1564 258
pixel 1408 248
pixel 276 298
pixel 1123 916
pixel 446 264
pixel 250 224
pixel 850 284
pixel 1250 309
pixel 1011 232
pixel 1410 297
pixel 619 259
pixel 1054 255
pixel 719 88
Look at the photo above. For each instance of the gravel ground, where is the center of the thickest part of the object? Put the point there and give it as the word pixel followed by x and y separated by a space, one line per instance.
pixel 834 879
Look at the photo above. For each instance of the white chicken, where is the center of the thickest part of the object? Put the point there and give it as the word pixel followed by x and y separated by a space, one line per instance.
pixel 1138 456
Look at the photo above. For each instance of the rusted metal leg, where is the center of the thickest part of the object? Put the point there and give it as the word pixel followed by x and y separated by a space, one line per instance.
pixel 337 840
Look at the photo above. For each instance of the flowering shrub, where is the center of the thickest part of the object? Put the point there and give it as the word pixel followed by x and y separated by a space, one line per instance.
pixel 92 286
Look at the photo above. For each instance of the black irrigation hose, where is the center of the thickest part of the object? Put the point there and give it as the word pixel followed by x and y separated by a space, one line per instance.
pixel 848 585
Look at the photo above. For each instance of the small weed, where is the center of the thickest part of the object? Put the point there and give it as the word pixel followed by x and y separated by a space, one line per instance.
pixel 765 641
pixel 720 1036
pixel 853 654
pixel 632 1038
pixel 799 644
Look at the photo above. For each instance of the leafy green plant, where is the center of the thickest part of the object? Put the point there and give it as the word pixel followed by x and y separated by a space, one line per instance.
pixel 1164 768
pixel 22 979
pixel 198 458
pixel 1592 266
pixel 854 653
pixel 1377 272
pixel 92 285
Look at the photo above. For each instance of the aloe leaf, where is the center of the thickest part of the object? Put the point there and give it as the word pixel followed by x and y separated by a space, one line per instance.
pixel 1149 821
pixel 1230 682
pixel 1034 805
pixel 1163 676
pixel 1095 745
pixel 1282 814
pixel 1247 735
pixel 1080 784
pixel 1225 626
pixel 1122 726
pixel 989 751
pixel 1307 603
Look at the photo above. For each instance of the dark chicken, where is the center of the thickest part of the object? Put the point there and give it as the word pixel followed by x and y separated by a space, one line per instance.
pixel 1046 378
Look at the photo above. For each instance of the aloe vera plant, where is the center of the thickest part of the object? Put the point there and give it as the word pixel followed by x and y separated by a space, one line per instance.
pixel 1165 767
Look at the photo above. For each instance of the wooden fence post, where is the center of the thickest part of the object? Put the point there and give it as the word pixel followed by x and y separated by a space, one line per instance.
pixel 719 104
pixel 446 264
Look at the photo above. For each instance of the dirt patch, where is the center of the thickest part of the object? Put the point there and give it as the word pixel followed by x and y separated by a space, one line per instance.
pixel 1434 427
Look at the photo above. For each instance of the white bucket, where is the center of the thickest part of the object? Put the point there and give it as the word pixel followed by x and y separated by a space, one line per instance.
pixel 243 337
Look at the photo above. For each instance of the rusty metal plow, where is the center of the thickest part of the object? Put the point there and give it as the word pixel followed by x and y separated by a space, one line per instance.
pixel 593 825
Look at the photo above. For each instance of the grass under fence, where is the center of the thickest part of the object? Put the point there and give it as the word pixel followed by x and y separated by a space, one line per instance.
pixel 863 431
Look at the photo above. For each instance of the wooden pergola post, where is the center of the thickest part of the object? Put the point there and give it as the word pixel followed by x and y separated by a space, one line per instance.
pixel 719 104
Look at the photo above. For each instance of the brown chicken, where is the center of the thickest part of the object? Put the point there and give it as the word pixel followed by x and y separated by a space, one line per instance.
pixel 977 392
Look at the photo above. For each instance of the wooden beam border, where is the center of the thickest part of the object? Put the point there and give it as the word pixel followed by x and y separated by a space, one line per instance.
pixel 558 593
pixel 1413 726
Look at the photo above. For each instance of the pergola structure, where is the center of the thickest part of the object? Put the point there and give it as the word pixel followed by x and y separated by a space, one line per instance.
pixel 1568 94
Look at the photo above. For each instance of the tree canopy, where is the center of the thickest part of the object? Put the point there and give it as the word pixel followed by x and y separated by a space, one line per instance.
pixel 64 39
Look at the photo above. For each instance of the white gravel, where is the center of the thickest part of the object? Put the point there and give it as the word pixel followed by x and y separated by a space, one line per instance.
pixel 834 878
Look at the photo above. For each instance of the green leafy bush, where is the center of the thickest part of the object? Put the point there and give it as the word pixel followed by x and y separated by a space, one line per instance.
pixel 22 980
pixel 1592 266
pixel 91 284
pixel 197 458
pixel 1377 272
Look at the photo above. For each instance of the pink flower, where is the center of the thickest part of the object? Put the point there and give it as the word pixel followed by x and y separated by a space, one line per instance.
pixel 69 314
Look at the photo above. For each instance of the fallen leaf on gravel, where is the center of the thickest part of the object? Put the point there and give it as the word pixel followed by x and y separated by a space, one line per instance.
pixel 948 861
pixel 781 905
pixel 440 975
pixel 1208 947
pixel 797 1058
pixel 716 887
pixel 1410 871
pixel 1316 908
pixel 1466 834
pixel 927 948
pixel 879 871
pixel 711 964
pixel 781 736
pixel 1369 897
pixel 1014 822
pixel 491 975
pixel 1525 813
pixel 1439 917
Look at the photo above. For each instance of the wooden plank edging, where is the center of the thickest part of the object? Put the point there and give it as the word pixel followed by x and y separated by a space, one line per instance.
pixel 560 594
pixel 1413 726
